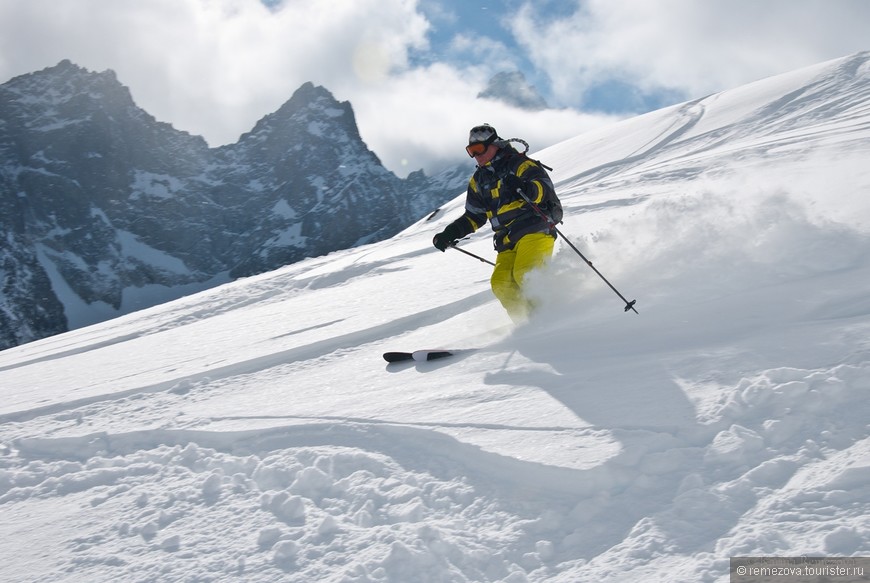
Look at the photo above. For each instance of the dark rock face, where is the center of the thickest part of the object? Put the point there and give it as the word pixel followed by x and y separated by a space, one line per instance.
pixel 99 199
pixel 512 88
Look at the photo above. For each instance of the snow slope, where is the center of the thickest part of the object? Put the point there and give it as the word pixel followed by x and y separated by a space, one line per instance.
pixel 253 433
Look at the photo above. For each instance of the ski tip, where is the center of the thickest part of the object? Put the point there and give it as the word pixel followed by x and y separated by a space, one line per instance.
pixel 398 356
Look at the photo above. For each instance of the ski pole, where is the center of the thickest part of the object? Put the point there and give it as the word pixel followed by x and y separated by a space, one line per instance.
pixel 629 305
pixel 478 257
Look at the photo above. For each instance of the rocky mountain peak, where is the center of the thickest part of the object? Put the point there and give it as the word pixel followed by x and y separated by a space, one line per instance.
pixel 512 88
pixel 65 84
pixel 312 114
pixel 106 210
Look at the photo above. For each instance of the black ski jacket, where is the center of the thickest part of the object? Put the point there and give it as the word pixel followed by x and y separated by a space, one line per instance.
pixel 492 195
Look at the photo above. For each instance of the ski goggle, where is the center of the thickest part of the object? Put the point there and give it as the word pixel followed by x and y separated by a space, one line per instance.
pixel 476 149
pixel 479 139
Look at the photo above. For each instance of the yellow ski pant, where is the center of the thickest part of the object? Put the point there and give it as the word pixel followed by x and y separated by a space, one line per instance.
pixel 512 266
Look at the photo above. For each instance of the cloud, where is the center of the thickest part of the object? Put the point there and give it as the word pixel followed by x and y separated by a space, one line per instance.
pixel 411 121
pixel 214 67
pixel 206 64
pixel 693 47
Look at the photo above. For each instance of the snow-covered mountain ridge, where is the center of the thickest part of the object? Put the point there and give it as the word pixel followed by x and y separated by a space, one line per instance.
pixel 252 431
pixel 106 210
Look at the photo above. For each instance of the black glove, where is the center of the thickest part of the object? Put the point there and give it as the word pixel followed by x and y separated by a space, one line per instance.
pixel 447 237
pixel 511 184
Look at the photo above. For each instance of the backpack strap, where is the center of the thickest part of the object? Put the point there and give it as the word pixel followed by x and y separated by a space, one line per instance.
pixel 525 150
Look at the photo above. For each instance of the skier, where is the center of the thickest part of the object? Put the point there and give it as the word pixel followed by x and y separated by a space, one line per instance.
pixel 523 238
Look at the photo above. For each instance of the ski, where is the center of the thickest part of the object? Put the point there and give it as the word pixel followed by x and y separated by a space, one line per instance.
pixel 417 355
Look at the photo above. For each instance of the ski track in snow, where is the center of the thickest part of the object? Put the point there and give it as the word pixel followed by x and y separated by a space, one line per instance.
pixel 216 439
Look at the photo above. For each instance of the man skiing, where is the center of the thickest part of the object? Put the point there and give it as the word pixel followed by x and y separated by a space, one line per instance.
pixel 523 238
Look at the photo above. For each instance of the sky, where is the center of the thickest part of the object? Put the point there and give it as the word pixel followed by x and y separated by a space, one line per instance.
pixel 412 69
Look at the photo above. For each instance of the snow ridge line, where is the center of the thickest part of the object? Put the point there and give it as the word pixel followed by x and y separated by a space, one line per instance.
pixel 691 114
pixel 400 442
